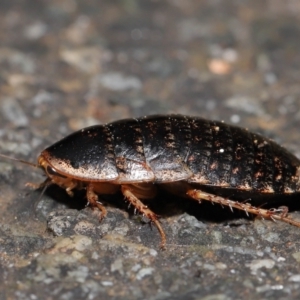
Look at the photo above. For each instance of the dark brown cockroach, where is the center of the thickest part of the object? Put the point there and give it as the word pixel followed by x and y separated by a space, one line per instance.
pixel 201 159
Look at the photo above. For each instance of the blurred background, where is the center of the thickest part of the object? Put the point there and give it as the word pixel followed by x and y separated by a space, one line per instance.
pixel 69 64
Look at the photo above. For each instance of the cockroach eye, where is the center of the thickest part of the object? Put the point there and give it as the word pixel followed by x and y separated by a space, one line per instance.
pixel 51 171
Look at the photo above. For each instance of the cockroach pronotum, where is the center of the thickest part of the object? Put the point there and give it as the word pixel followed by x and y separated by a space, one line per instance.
pixel 188 156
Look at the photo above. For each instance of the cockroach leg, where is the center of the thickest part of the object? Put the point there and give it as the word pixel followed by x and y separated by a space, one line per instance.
pixel 128 192
pixel 69 191
pixel 93 201
pixel 246 212
pixel 34 186
pixel 230 207
pixel 284 210
pixel 247 207
pixel 37 186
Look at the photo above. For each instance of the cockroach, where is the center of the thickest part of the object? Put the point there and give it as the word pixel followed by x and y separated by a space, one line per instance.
pixel 188 156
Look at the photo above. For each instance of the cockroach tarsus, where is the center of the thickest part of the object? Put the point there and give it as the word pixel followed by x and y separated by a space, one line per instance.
pixel 188 156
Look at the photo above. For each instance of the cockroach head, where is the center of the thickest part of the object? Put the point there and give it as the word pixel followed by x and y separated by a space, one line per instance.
pixel 55 176
pixel 51 172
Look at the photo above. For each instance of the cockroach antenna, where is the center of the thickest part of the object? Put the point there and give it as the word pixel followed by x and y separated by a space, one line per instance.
pixel 20 160
pixel 43 185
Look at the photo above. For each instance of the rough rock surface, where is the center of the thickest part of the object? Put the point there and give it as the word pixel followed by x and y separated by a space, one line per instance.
pixel 69 64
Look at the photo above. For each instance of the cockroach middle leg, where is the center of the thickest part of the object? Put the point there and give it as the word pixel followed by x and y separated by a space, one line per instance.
pixel 128 192
pixel 247 207
pixel 93 201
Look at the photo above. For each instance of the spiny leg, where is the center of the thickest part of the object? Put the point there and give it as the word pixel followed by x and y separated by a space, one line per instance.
pixel 93 201
pixel 142 208
pixel 247 207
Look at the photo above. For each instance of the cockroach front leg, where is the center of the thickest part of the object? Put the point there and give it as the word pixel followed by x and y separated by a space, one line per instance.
pixel 247 207
pixel 70 188
pixel 37 186
pixel 93 201
pixel 128 192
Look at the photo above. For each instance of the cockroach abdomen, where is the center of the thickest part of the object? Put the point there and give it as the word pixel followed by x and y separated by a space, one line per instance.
pixel 165 148
pixel 129 152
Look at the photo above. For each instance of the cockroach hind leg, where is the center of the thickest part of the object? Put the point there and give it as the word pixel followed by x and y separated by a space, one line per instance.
pixel 94 202
pixel 284 210
pixel 272 214
pixel 128 192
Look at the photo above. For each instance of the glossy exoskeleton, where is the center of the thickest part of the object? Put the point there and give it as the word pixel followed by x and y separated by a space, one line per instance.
pixel 201 159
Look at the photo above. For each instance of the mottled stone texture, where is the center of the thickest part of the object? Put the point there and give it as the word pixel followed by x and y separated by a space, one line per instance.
pixel 69 64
